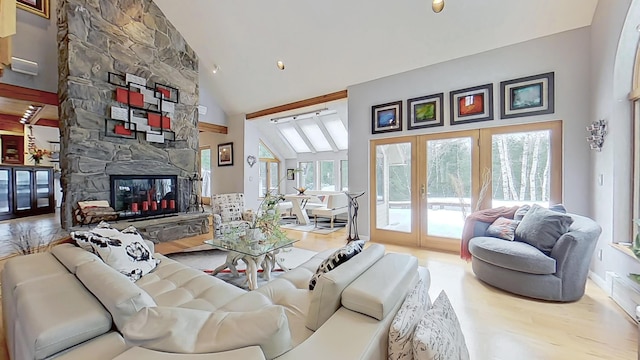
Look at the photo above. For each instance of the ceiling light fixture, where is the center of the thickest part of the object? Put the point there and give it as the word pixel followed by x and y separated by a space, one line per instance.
pixel 215 69
pixel 437 5
pixel 305 115
pixel 280 65
pixel 30 112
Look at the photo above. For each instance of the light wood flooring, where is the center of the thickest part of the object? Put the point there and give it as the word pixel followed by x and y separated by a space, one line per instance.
pixel 499 325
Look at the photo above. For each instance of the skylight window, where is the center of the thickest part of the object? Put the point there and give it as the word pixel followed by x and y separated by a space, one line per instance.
pixel 337 131
pixel 294 139
pixel 315 136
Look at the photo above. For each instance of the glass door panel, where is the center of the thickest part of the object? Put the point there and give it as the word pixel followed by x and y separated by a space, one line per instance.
pixel 5 176
pixel 393 187
pixel 23 190
pixel 449 185
pixel 521 164
pixel 205 172
pixel 42 188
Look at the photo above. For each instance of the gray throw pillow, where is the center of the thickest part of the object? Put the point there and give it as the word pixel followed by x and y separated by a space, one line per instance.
pixel 542 227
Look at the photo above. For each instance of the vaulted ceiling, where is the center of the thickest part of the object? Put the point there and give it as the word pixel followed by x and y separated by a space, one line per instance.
pixel 329 45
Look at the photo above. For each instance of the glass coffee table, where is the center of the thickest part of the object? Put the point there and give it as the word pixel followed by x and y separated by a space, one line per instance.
pixel 253 254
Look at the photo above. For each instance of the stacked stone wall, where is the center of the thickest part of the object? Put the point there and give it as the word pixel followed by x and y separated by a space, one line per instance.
pixel 121 36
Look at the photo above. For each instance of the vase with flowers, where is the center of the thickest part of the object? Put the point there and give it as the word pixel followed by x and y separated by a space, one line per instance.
pixel 38 154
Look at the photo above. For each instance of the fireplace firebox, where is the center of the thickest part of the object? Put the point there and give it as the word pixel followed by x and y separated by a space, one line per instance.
pixel 134 196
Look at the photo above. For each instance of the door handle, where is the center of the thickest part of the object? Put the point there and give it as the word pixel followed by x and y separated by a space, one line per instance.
pixel 423 191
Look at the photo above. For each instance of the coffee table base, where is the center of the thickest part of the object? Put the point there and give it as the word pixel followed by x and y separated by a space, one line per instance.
pixel 266 261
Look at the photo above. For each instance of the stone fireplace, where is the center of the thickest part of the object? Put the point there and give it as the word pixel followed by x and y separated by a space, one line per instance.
pixel 134 37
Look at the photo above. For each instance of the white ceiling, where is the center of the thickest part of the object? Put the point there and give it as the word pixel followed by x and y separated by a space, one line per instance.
pixel 332 44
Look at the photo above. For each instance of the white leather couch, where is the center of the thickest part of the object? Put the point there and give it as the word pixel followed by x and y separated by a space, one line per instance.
pixel 68 305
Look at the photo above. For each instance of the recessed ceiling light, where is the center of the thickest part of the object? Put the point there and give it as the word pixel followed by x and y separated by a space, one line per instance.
pixel 215 69
pixel 280 65
pixel 437 5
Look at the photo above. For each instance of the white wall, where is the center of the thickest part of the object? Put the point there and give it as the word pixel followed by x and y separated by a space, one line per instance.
pixel 613 45
pixel 215 114
pixel 567 54
pixel 35 40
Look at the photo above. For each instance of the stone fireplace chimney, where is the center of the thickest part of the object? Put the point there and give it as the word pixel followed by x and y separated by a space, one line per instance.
pixel 120 36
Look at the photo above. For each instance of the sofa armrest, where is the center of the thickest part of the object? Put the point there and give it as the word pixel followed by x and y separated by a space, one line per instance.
pixel 190 331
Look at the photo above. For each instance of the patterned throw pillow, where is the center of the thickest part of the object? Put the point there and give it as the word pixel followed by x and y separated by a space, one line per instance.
pixel 404 323
pixel 339 257
pixel 438 335
pixel 503 228
pixel 123 250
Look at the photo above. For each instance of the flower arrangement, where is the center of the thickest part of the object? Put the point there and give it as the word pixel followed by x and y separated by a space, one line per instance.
pixel 38 154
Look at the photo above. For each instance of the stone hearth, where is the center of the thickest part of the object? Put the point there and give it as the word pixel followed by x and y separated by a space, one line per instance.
pixel 123 36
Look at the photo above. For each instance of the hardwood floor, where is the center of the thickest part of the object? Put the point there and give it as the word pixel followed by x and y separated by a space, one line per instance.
pixel 499 325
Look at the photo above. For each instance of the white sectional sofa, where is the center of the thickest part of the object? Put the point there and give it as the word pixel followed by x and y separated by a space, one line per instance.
pixel 67 304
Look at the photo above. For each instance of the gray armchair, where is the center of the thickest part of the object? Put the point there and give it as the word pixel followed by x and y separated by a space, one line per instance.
pixel 522 269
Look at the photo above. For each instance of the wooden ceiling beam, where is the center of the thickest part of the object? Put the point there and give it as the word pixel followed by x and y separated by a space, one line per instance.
pixel 338 95
pixel 26 94
pixel 11 123
pixel 207 127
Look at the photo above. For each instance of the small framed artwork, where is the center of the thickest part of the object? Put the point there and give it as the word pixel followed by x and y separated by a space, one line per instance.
pixel 291 175
pixel 386 117
pixel 38 7
pixel 425 111
pixel 527 96
pixel 225 154
pixel 471 104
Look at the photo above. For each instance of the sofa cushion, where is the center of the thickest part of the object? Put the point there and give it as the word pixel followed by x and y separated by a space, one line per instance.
pixel 72 256
pixel 503 228
pixel 405 321
pixel 182 330
pixel 438 334
pixel 56 313
pixel 123 250
pixel 382 286
pixel 231 212
pixel 120 296
pixel 339 257
pixel 542 227
pixel 325 298
pixel 512 255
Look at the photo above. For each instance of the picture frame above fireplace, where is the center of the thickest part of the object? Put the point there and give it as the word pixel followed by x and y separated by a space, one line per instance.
pixel 225 154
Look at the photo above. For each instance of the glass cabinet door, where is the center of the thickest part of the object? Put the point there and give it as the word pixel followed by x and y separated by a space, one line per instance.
pixel 23 190
pixel 5 194
pixel 42 188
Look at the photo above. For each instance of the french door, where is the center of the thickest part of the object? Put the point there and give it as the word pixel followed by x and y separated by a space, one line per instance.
pixel 426 185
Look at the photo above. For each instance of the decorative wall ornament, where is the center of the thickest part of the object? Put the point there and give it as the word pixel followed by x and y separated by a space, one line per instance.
pixel 597 131
pixel 148 109
pixel 251 160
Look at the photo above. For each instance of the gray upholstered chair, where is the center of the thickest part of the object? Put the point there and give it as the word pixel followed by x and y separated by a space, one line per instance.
pixel 522 269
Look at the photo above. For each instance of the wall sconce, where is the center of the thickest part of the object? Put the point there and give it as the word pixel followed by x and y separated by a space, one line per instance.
pixel 597 131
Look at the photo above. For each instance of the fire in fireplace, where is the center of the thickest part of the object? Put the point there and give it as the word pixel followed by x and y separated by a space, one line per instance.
pixel 144 195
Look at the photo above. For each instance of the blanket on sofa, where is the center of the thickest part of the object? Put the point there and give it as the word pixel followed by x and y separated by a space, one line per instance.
pixel 487 216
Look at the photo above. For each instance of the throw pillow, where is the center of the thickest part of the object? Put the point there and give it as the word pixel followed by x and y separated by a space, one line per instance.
pixel 124 251
pixel 339 257
pixel 405 321
pixel 542 227
pixel 230 212
pixel 503 228
pixel 438 335
pixel 522 211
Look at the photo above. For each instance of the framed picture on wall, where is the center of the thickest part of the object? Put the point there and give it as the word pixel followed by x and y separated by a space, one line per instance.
pixel 225 154
pixel 425 111
pixel 471 104
pixel 291 175
pixel 386 117
pixel 38 7
pixel 527 96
